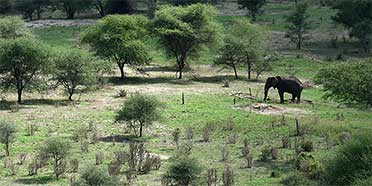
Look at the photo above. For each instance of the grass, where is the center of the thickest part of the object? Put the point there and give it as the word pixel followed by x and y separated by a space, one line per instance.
pixel 206 102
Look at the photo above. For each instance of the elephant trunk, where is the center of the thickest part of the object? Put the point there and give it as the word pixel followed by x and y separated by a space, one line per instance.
pixel 266 91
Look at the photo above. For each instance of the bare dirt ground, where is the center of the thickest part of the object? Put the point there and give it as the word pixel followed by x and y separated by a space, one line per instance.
pixel 268 109
pixel 54 22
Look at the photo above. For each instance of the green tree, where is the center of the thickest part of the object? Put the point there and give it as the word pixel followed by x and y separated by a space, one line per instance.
pixel 22 61
pixel 139 111
pixel 250 43
pixel 349 82
pixel 74 68
pixel 253 6
pixel 231 55
pixel 356 16
pixel 119 38
pixel 12 27
pixel 29 7
pixel 71 7
pixel 100 7
pixel 7 135
pixel 95 176
pixel 298 23
pixel 183 171
pixel 184 31
pixel 56 149
pixel 119 6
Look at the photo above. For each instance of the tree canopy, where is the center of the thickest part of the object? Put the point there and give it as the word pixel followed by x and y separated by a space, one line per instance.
pixel 298 23
pixel 356 15
pixel 119 38
pixel 184 31
pixel 253 6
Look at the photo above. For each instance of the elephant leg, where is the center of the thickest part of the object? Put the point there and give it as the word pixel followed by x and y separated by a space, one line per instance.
pixel 299 98
pixel 281 95
pixel 293 97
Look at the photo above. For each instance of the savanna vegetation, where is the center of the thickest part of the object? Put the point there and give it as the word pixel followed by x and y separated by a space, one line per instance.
pixel 171 92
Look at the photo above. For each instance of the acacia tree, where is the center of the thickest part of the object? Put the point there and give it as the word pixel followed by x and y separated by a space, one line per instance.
pixel 5 6
pixel 249 42
pixel 29 7
pixel 184 31
pixel 299 23
pixel 119 38
pixel 7 135
pixel 56 149
pixel 74 68
pixel 139 111
pixel 253 6
pixel 231 55
pixel 356 15
pixel 22 61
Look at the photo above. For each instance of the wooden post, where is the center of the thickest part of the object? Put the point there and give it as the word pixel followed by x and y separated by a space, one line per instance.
pixel 297 127
pixel 234 100
pixel 250 91
pixel 183 98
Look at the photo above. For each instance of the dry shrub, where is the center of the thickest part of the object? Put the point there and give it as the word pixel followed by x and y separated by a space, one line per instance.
pixel 224 153
pixel 249 160
pixel 274 153
pixel 212 177
pixel 151 162
pixel 232 138
pixel 176 136
pixel 121 156
pixel 114 168
pixel 286 142
pixel 307 145
pixel 189 133
pixel 344 137
pixel 228 176
pixel 21 158
pixel 74 165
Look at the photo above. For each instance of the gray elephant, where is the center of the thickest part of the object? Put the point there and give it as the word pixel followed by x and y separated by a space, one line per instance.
pixel 290 85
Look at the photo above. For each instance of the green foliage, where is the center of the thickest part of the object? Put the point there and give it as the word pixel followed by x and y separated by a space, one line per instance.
pixel 5 6
pixel 349 82
pixel 12 27
pixel 119 6
pixel 119 38
pixel 183 170
pixel 22 60
pixel 184 31
pixel 352 161
pixel 298 23
pixel 356 15
pixel 95 176
pixel 71 7
pixel 253 6
pixel 296 179
pixel 29 7
pixel 363 182
pixel 189 2
pixel 245 43
pixel 56 149
pixel 139 111
pixel 74 68
pixel 7 135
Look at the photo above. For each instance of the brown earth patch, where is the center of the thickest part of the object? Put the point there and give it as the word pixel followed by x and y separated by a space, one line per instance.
pixel 268 109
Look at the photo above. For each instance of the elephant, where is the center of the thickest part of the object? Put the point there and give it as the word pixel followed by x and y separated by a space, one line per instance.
pixel 290 85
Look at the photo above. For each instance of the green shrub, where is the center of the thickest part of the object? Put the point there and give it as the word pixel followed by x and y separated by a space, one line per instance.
pixel 347 82
pixel 7 135
pixel 363 182
pixel 353 160
pixel 296 179
pixel 94 176
pixel 182 171
pixel 307 145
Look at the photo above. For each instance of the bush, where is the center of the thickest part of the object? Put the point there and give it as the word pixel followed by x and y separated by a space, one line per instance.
pixel 363 182
pixel 93 175
pixel 7 135
pixel 348 82
pixel 306 163
pixel 307 145
pixel 182 171
pixel 139 111
pixel 296 179
pixel 352 161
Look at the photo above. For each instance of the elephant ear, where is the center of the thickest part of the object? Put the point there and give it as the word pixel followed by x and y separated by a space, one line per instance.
pixel 278 78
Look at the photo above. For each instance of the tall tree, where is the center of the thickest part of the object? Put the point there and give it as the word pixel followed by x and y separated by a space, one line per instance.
pixel 22 60
pixel 184 31
pixel 119 38
pixel 100 7
pixel 356 15
pixel 5 6
pixel 253 6
pixel 299 23
pixel 249 41
pixel 119 6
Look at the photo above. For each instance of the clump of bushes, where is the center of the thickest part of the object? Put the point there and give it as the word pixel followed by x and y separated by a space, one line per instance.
pixel 347 82
pixel 296 179
pixel 93 175
pixel 183 170
pixel 351 162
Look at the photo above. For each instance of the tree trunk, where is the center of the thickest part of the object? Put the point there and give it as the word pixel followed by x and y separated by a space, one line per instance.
pixel 7 149
pixel 249 70
pixel 70 96
pixel 254 16
pixel 235 72
pixel 38 14
pixel 121 67
pixel 299 43
pixel 141 126
pixel 19 92
pixel 180 72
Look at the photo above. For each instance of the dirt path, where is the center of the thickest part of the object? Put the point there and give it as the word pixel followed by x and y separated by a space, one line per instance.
pixel 54 22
